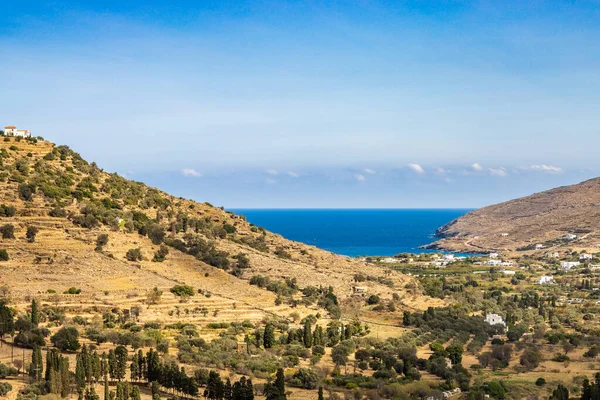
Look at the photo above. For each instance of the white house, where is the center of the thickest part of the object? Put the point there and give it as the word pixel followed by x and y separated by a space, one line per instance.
pixel 493 255
pixel 567 265
pixel 448 257
pixel 508 272
pixel 546 280
pixel 570 236
pixel 389 260
pixel 539 246
pixel 13 131
pixel 495 319
pixel 586 257
pixel 493 263
pixel 504 234
pixel 553 255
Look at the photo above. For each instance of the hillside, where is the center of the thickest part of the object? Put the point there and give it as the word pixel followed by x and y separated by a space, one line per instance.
pixel 71 202
pixel 542 218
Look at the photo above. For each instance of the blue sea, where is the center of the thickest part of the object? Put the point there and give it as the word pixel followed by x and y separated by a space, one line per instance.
pixel 356 232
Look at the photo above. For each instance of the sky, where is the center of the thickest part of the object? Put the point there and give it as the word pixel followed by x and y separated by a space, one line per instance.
pixel 311 104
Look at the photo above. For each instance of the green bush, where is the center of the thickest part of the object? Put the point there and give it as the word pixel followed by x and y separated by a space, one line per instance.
pixel 72 290
pixel 134 254
pixel 3 255
pixel 26 191
pixel 182 290
pixel 8 231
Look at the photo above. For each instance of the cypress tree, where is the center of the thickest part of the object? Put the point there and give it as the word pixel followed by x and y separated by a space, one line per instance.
pixel 227 390
pixel 35 313
pixel 36 367
pixel 321 397
pixel 307 337
pixel 249 392
pixel 65 377
pixel 80 377
pixel 121 362
pixel 135 393
pixel 269 337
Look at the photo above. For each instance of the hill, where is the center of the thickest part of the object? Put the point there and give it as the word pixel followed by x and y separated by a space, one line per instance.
pixel 540 219
pixel 74 205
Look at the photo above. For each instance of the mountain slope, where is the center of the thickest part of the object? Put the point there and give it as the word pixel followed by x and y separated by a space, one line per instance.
pixel 72 202
pixel 542 218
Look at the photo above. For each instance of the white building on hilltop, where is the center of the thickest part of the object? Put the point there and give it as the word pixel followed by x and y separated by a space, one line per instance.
pixel 586 257
pixel 13 131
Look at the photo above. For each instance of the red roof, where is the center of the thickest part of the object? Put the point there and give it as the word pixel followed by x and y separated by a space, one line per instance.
pixel 10 127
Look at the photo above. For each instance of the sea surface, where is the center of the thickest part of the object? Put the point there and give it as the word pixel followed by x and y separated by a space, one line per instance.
pixel 356 232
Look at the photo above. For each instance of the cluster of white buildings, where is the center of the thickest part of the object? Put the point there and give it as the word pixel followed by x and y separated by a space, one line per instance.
pixel 495 319
pixel 11 130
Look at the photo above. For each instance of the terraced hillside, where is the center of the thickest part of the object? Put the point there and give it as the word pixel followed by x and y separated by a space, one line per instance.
pixel 73 204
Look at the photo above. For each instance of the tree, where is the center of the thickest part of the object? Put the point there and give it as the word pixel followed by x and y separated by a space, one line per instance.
pixel 3 255
pixel 66 339
pixel 455 352
pixel 276 389
pixel 121 362
pixel 36 366
pixel 307 337
pixel 530 358
pixel 339 354
pixel 182 290
pixel 321 397
pixel 269 336
pixel 35 313
pixel 156 233
pixel 154 296
pixel 560 393
pixel 214 387
pixel 32 231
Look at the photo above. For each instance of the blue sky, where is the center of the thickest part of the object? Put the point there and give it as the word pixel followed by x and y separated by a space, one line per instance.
pixel 306 104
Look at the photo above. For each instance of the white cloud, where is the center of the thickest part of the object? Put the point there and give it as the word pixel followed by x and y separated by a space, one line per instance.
pixel 370 171
pixel 477 167
pixel 441 171
pixel 270 181
pixel 498 171
pixel 190 172
pixel 359 177
pixel 417 168
pixel 546 168
pixel 272 172
pixel 293 174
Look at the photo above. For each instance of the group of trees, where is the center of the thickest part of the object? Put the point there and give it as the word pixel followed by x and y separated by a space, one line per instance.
pixel 216 389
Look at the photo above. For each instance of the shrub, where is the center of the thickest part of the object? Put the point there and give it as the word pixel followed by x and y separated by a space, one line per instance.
pixel 3 255
pixel 5 388
pixel 66 339
pixel 182 290
pixel 156 233
pixel 7 211
pixel 32 231
pixel 373 299
pixel 101 240
pixel 282 253
pixel 161 254
pixel 72 290
pixel 229 228
pixel 304 378
pixel 26 191
pixel 58 212
pixel 540 382
pixel 8 231
pixel 134 254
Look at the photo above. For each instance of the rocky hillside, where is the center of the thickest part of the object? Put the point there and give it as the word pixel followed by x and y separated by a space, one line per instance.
pixel 540 219
pixel 65 223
